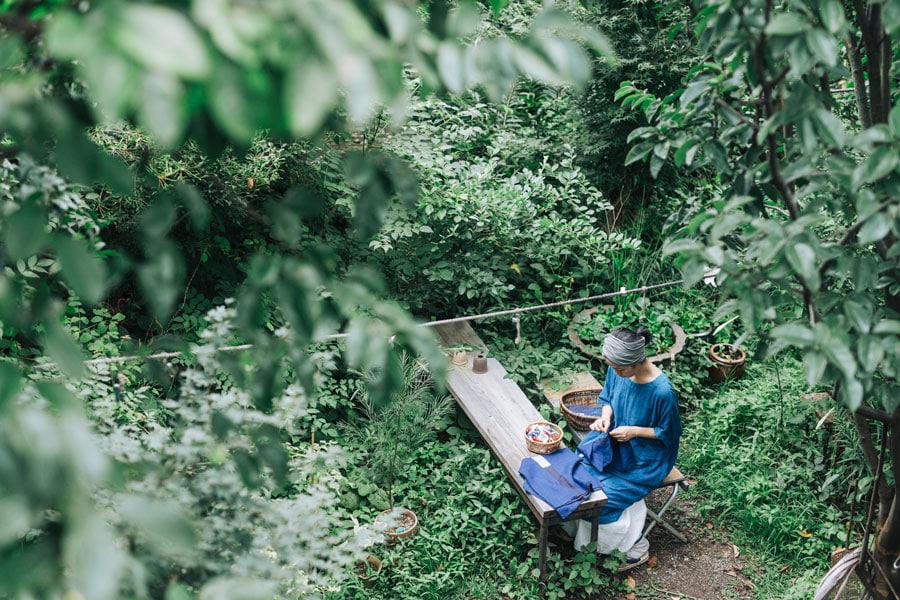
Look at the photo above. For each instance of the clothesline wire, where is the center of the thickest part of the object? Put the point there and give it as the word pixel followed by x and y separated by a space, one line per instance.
pixel 516 311
pixel 500 313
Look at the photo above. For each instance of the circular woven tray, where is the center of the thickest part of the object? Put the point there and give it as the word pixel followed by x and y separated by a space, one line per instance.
pixel 582 397
pixel 543 447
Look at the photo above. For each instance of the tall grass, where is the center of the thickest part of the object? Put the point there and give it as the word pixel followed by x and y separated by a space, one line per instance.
pixel 777 470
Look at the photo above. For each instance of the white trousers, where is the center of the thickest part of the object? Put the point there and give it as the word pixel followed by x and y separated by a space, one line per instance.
pixel 625 535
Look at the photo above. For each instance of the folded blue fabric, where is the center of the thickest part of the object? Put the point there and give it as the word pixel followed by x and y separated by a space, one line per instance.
pixel 588 410
pixel 560 479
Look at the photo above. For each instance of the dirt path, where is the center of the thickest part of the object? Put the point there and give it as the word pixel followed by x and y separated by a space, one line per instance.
pixel 705 568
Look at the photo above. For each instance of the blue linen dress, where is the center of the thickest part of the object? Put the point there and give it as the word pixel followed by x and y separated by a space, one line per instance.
pixel 640 464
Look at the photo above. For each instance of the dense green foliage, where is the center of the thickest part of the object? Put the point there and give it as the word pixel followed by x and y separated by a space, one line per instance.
pixel 500 221
pixel 299 188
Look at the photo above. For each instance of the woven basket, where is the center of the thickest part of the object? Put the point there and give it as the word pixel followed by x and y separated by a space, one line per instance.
pixel 543 447
pixel 580 397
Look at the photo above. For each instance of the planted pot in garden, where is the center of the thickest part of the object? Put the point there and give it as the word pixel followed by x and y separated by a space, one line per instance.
pixel 397 523
pixel 728 362
pixel 368 569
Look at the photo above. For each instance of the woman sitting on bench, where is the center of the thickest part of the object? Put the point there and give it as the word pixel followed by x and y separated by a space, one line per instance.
pixel 640 414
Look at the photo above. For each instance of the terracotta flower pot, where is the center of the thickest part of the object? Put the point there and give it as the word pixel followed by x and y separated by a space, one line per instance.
pixel 368 570
pixel 397 523
pixel 728 362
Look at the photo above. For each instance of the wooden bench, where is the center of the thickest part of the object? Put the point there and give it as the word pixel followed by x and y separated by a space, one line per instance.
pixel 674 482
pixel 500 411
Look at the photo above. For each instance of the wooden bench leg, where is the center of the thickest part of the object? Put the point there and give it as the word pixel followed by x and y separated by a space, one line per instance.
pixel 542 542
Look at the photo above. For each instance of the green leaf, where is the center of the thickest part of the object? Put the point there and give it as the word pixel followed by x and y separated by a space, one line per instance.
pixel 693 91
pixel 93 557
pixel 851 393
pixel 832 15
pixel 311 95
pixel 157 219
pixel 25 231
pixel 874 229
pixel 195 204
pixel 656 165
pixel 534 64
pixel 241 102
pixel 859 311
pixel 10 383
pixel 161 277
pixel 360 82
pixel 887 326
pixel 63 350
pixel 870 351
pixel 866 140
pixel 161 524
pixel 402 24
pixel 626 88
pixel 802 259
pixel 82 269
pixel 234 588
pixel 16 521
pixel 795 334
pixel 638 152
pixel 367 344
pixel 814 364
pixel 79 159
pixel 693 272
pixel 12 54
pixel 830 127
pixel 177 591
pixel 686 151
pixel 498 5
pixel 894 121
pixel 881 163
pixel 463 20
pixel 58 395
pixel 220 424
pixel 681 245
pixel 163 110
pixel 787 24
pixel 451 66
pixel 162 39
pixel 839 355
pixel 823 46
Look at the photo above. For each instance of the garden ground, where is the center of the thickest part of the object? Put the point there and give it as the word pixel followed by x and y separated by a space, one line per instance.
pixel 708 567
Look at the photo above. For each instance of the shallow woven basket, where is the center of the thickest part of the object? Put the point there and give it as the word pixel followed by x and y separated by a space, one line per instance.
pixel 543 447
pixel 582 397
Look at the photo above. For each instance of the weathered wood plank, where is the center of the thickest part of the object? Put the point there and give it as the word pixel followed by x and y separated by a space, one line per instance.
pixel 554 388
pixel 459 333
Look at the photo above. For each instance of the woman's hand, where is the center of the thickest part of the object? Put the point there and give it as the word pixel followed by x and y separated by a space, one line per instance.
pixel 601 424
pixel 623 434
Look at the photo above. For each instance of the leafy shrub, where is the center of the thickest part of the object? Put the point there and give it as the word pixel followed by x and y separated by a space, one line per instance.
pixel 212 492
pixel 497 221
pixel 388 434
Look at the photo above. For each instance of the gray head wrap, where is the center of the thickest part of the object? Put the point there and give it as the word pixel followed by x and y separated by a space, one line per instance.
pixel 621 352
